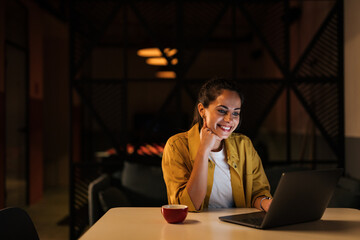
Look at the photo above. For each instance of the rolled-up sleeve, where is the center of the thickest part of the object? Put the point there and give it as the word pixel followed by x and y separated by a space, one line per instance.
pixel 261 186
pixel 177 167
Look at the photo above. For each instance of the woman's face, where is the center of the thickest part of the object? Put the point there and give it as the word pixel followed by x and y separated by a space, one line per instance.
pixel 223 114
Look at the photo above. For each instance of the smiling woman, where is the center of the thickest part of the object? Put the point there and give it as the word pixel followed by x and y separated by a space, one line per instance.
pixel 222 116
pixel 210 166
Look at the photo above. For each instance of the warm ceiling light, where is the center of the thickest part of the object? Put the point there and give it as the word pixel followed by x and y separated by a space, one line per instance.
pixel 166 74
pixel 174 61
pixel 170 52
pixel 149 52
pixel 155 52
pixel 160 61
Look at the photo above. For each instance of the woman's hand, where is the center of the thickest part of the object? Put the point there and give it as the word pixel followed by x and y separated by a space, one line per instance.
pixel 265 203
pixel 208 139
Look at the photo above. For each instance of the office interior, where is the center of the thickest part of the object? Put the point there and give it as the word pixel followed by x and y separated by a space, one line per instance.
pixel 80 104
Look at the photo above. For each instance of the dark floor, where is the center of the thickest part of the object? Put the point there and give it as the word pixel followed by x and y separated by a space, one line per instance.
pixel 50 214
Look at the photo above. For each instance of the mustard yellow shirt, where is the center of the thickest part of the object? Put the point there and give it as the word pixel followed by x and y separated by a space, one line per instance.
pixel 248 179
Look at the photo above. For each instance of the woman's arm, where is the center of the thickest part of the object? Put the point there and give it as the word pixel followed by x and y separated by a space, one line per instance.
pixel 197 184
pixel 261 186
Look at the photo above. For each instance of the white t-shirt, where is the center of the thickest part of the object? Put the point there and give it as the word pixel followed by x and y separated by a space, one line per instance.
pixel 221 193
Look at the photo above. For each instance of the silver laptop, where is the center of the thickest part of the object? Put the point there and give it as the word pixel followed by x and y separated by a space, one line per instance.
pixel 300 197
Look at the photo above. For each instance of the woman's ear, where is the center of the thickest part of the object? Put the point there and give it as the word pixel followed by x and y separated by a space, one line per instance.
pixel 201 109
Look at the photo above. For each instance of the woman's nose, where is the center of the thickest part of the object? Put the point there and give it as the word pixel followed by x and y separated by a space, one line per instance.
pixel 227 117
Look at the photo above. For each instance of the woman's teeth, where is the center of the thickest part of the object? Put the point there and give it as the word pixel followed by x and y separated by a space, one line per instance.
pixel 225 128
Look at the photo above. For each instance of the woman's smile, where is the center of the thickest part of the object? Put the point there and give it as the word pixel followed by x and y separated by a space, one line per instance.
pixel 224 128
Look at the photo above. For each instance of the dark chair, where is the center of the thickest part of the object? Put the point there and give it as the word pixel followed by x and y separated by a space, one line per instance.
pixel 94 188
pixel 16 224
pixel 137 185
pixel 102 196
pixel 347 194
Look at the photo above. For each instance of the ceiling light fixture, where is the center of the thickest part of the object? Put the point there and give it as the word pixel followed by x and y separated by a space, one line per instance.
pixel 170 52
pixel 157 57
pixel 160 61
pixel 155 52
pixel 165 74
pixel 149 52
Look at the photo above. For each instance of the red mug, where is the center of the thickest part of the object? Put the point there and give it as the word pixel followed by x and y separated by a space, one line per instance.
pixel 174 213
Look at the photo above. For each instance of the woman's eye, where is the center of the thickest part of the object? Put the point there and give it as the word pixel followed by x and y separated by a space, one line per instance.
pixel 222 111
pixel 236 114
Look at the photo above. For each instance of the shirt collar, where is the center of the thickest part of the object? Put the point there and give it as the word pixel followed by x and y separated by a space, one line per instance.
pixel 194 141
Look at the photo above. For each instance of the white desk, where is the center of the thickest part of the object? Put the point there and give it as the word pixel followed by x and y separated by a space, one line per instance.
pixel 148 223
